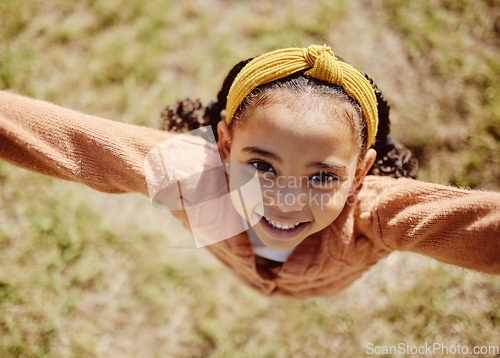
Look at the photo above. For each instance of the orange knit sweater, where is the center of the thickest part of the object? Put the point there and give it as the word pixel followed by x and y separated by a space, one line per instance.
pixel 455 226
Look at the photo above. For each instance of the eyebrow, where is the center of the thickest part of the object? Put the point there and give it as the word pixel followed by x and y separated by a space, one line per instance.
pixel 262 153
pixel 326 165
pixel 269 155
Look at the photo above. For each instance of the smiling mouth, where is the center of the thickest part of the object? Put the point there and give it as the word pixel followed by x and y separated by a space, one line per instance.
pixel 282 226
pixel 282 230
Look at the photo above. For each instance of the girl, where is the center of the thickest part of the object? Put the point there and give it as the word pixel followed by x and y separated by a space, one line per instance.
pixel 316 131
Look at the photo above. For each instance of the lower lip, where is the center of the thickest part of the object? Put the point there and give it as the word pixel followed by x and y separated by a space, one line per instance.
pixel 280 233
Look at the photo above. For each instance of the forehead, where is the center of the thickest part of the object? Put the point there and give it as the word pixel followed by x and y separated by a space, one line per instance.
pixel 300 124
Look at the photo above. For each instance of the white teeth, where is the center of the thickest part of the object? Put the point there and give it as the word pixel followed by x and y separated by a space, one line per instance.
pixel 281 226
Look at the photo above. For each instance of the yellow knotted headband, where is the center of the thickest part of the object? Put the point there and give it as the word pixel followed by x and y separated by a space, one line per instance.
pixel 323 66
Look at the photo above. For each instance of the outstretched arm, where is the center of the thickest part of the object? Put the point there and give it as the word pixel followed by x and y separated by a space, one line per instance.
pixel 105 155
pixel 456 226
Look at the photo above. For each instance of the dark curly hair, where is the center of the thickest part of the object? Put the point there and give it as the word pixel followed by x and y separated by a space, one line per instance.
pixel 393 159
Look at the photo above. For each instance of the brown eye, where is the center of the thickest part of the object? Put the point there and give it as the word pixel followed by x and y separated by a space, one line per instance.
pixel 263 166
pixel 323 178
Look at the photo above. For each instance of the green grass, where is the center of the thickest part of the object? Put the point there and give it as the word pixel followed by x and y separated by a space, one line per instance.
pixel 454 44
pixel 85 274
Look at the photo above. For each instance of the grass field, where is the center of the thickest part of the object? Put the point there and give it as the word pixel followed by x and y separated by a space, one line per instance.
pixel 86 274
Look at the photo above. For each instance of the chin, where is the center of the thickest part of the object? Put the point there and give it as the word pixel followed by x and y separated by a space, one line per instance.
pixel 280 246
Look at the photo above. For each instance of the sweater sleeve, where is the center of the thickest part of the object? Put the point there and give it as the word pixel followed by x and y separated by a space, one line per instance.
pixel 456 226
pixel 105 155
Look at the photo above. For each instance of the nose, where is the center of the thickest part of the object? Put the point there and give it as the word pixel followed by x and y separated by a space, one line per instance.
pixel 286 198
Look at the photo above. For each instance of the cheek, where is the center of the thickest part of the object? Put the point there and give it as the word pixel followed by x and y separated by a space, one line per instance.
pixel 328 206
pixel 245 191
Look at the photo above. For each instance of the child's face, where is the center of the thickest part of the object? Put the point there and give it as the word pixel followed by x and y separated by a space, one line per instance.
pixel 307 158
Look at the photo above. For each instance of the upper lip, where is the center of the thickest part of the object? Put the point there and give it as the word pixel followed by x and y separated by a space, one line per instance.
pixel 286 221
